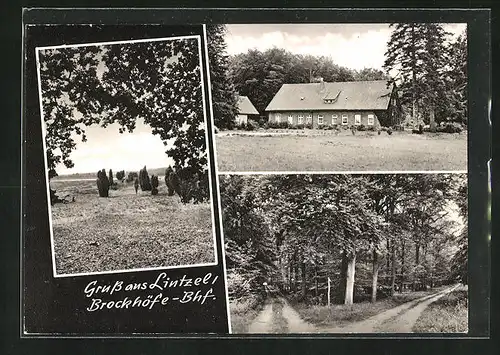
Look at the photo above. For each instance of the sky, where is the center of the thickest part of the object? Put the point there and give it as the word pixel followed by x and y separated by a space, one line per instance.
pixel 106 148
pixel 355 46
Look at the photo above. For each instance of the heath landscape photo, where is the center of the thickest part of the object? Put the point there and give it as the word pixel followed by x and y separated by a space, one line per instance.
pixel 342 97
pixel 127 163
pixel 346 253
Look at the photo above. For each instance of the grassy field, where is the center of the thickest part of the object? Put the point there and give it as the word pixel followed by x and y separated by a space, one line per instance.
pixel 449 314
pixel 127 231
pixel 324 151
pixel 340 315
pixel 243 312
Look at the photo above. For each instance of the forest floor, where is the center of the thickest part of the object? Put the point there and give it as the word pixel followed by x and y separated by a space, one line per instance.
pixel 278 317
pixel 317 150
pixel 127 231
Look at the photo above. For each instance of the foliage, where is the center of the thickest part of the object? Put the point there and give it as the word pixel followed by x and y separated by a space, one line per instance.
pixel 65 75
pixel 157 81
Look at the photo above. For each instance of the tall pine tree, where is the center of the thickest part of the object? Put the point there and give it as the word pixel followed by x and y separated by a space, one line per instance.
pixel 456 79
pixel 224 98
pixel 433 76
pixel 417 52
pixel 404 55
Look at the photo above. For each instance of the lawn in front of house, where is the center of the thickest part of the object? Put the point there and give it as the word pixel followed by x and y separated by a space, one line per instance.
pixel 312 150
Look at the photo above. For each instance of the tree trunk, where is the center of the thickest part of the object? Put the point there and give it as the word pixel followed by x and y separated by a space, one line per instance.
pixel 316 286
pixel 417 253
pixel 343 277
pixel 349 286
pixel 402 264
pixel 303 277
pixel 414 77
pixel 393 268
pixel 432 120
pixel 375 267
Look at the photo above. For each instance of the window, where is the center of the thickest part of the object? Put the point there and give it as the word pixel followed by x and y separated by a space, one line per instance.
pixel 301 119
pixel 344 119
pixel 357 119
pixel 309 118
pixel 320 119
pixel 278 117
pixel 371 119
pixel 290 119
pixel 334 119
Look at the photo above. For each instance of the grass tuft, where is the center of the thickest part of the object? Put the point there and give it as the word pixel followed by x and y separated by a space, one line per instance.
pixel 449 314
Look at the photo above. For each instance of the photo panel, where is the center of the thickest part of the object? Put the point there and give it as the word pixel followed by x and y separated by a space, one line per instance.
pixel 126 90
pixel 337 254
pixel 122 229
pixel 346 97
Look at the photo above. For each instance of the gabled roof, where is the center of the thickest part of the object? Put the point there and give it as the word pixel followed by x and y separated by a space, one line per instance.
pixel 352 95
pixel 245 106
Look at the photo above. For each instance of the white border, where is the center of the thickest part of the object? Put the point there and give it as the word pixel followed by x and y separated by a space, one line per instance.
pixel 44 133
pixel 223 249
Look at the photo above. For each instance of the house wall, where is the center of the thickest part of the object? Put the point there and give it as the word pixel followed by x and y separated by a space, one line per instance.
pixel 327 117
pixel 241 119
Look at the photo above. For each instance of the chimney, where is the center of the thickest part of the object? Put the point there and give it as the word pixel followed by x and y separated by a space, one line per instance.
pixel 321 85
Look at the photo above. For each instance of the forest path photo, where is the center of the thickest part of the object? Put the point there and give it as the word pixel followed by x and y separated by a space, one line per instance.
pixel 278 316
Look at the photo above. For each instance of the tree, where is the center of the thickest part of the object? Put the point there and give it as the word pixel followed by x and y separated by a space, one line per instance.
pixel 404 55
pixel 435 99
pixel 417 52
pixel 456 79
pixel 250 247
pixel 111 177
pixel 67 104
pixel 370 74
pixel 224 98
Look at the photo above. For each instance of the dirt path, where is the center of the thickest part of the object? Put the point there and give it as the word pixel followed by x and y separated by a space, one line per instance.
pixel 279 317
pixel 264 321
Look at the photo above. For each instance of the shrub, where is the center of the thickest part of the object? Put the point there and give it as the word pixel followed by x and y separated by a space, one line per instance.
pixel 389 131
pixel 300 126
pixel 308 125
pixel 361 127
pixel 252 126
pixel 450 127
pixel 132 176
pixel 120 175
pixel 110 177
pixel 278 125
pixel 102 183
pixel 154 185
pixel 144 180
